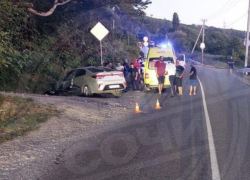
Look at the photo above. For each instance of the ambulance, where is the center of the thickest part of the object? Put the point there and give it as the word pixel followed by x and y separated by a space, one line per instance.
pixel 168 53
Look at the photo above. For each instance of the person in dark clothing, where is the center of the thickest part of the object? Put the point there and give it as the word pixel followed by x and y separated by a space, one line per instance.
pixel 231 64
pixel 179 76
pixel 110 65
pixel 105 64
pixel 134 77
pixel 126 69
pixel 193 79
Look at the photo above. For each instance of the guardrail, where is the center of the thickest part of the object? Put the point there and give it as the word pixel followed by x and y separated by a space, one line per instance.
pixel 244 70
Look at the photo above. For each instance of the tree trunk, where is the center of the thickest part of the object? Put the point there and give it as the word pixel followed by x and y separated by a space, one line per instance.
pixel 48 13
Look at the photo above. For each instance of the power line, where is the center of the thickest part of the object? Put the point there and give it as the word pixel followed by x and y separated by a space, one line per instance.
pixel 220 9
pixel 225 9
pixel 229 5
pixel 237 19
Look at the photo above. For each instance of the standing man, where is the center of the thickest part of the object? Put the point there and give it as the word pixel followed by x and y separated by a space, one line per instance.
pixel 179 76
pixel 134 77
pixel 160 69
pixel 138 66
pixel 231 64
pixel 193 79
pixel 171 74
pixel 126 69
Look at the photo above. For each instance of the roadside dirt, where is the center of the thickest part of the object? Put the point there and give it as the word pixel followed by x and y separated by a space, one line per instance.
pixel 22 157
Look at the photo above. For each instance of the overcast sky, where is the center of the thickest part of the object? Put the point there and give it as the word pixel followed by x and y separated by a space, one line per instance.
pixel 232 12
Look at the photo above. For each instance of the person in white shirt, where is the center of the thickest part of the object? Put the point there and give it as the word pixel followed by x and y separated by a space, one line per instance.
pixel 119 67
pixel 171 69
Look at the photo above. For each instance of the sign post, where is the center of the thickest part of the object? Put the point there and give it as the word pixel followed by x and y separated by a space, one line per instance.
pixel 99 31
pixel 101 52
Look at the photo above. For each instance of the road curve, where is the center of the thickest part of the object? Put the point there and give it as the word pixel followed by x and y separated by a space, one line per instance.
pixel 170 143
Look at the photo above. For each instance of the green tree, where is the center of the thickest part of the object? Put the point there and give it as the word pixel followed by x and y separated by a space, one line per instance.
pixel 162 35
pixel 139 5
pixel 216 42
pixel 236 49
pixel 180 41
pixel 176 22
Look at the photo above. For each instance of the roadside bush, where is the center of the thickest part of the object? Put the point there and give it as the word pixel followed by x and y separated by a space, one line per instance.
pixel 221 65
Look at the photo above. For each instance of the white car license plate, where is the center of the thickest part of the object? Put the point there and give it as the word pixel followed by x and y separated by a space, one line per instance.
pixel 114 86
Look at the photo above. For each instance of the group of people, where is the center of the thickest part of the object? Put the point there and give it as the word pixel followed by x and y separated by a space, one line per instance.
pixel 175 74
pixel 133 72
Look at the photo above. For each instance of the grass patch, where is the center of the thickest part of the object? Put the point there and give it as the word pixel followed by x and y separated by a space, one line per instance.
pixel 29 99
pixel 221 65
pixel 19 116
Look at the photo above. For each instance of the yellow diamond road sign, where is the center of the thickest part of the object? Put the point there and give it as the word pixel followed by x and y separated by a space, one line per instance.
pixel 99 31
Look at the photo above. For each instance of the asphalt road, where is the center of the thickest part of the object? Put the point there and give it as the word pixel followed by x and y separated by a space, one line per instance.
pixel 171 143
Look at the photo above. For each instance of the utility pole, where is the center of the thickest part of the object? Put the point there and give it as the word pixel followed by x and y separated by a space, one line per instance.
pixel 202 45
pixel 128 39
pixel 203 36
pixel 247 39
pixel 113 21
pixel 224 27
pixel 197 40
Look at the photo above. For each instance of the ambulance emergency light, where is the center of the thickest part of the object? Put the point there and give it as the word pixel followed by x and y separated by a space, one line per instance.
pixel 165 45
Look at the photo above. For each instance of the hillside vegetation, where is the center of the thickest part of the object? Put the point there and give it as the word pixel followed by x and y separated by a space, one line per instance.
pixel 37 51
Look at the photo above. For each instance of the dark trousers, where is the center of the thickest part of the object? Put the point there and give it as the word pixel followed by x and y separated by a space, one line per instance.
pixel 135 84
pixel 126 75
pixel 172 83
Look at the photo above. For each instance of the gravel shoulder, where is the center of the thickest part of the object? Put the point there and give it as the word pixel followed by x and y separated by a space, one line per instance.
pixel 28 156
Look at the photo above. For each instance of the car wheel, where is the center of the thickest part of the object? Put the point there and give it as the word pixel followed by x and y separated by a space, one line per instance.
pixel 86 91
pixel 117 93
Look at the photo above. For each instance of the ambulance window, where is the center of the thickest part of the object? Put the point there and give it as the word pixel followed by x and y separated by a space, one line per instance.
pixel 168 59
pixel 181 58
pixel 152 61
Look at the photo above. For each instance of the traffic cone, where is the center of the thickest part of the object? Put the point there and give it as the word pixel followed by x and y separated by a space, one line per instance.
pixel 137 109
pixel 157 105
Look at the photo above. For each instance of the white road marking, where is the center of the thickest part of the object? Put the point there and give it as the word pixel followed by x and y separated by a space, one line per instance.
pixel 213 157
